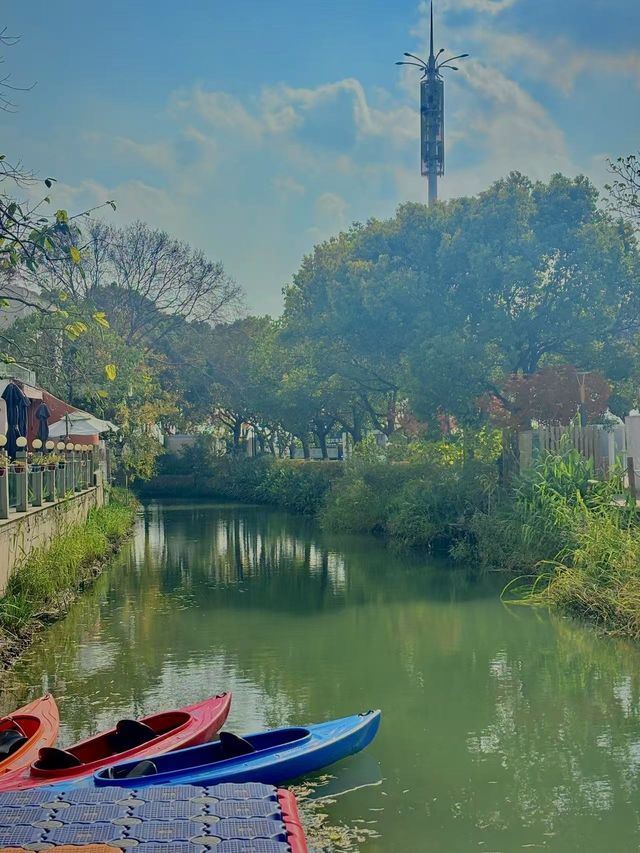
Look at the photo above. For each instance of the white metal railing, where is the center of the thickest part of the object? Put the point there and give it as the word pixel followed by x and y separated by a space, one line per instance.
pixel 26 483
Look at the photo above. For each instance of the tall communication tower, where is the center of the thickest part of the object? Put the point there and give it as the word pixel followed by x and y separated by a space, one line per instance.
pixel 432 112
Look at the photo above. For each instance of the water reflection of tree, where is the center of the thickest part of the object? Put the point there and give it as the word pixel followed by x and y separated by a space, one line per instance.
pixel 170 594
pixel 274 550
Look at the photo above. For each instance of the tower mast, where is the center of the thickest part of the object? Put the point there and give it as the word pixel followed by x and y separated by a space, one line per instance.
pixel 432 80
pixel 432 112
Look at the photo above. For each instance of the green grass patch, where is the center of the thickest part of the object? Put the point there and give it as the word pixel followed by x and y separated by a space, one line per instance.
pixel 47 576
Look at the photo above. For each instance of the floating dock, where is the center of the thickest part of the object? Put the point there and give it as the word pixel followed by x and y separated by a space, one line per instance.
pixel 228 818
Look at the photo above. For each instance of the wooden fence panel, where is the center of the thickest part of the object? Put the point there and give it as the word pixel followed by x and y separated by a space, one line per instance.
pixel 588 441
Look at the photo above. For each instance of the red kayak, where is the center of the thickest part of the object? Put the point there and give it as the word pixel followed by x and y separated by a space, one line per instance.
pixel 142 738
pixel 23 733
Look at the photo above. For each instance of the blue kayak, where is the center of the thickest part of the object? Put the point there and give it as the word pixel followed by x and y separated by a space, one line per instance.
pixel 272 757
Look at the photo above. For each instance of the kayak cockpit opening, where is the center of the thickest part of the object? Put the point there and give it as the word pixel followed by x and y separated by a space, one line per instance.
pixel 279 737
pixel 25 725
pixel 167 721
pixel 230 746
pixel 52 758
pixel 234 746
pixel 129 734
pixel 135 771
pixel 11 740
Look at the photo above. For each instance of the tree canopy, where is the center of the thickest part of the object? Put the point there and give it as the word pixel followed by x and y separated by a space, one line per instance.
pixel 491 308
pixel 443 304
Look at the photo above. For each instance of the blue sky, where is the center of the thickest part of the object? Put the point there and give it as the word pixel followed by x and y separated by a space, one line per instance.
pixel 255 129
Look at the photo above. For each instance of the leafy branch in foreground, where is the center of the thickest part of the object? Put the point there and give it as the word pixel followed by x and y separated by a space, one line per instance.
pixel 28 237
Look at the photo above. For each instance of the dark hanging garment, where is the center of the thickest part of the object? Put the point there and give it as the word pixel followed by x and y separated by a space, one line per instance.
pixel 42 416
pixel 17 405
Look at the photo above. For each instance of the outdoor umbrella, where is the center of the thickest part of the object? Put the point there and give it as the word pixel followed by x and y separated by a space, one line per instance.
pixel 43 414
pixel 80 423
pixel 17 405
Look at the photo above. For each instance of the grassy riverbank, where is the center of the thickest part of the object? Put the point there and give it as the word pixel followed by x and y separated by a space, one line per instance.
pixel 43 586
pixel 555 527
pixel 579 544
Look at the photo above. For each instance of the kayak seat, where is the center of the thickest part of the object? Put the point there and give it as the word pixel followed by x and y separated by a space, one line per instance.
pixel 52 758
pixel 10 741
pixel 234 746
pixel 142 768
pixel 129 734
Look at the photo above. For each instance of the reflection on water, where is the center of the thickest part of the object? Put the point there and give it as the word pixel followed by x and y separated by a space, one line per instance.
pixel 501 729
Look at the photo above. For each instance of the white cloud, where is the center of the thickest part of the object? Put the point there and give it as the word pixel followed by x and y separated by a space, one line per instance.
pixel 157 154
pixel 513 129
pixel 331 209
pixel 221 110
pixel 558 61
pixel 396 123
pixel 279 111
pixel 285 185
pixel 490 6
pixel 134 200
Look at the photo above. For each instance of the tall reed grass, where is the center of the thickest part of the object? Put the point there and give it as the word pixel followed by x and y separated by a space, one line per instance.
pixel 587 543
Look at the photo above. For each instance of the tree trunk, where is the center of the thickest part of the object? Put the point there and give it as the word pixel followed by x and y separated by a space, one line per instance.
pixel 237 431
pixel 391 415
pixel 356 431
pixel 322 441
pixel 305 447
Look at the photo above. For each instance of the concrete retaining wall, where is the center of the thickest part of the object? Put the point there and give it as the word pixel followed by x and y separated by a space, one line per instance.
pixel 25 531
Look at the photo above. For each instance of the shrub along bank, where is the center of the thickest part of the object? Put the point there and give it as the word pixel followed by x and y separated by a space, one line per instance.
pixel 576 535
pixel 567 536
pixel 44 585
pixel 423 503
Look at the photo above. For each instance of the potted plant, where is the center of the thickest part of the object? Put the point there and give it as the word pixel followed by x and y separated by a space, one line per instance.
pixel 18 466
pixel 38 461
pixel 4 462
pixel 52 461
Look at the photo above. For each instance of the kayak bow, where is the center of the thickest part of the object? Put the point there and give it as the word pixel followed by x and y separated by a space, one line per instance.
pixel 130 739
pixel 271 757
pixel 25 731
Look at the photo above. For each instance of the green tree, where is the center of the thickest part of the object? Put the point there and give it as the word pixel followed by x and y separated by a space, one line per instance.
pixel 442 304
pixel 624 189
pixel 232 389
pixel 99 371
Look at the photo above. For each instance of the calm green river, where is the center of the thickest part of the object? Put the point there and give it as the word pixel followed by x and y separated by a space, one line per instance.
pixel 503 729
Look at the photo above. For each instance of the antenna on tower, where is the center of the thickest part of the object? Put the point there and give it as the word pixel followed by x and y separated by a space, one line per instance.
pixel 432 109
pixel 431 33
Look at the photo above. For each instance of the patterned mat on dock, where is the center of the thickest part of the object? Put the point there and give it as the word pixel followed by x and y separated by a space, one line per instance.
pixel 245 818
